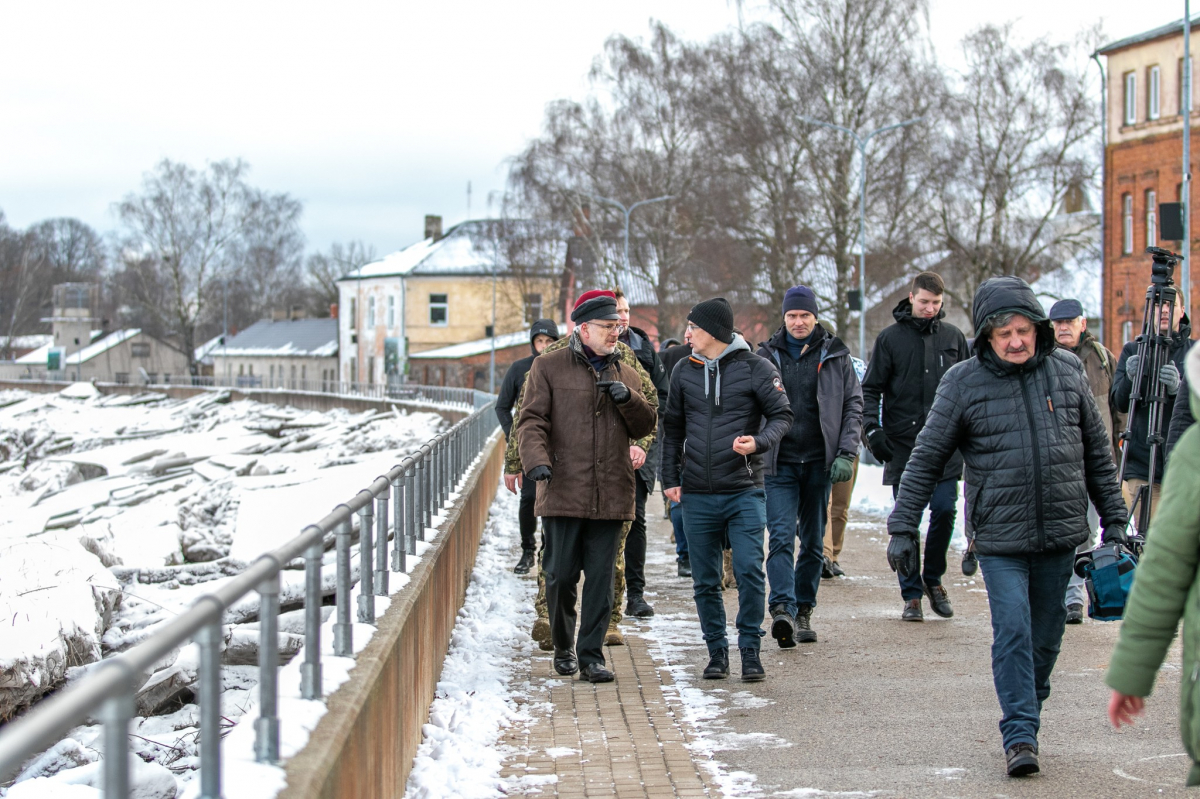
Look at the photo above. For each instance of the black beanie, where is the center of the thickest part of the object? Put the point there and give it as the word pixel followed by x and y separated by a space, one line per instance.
pixel 714 317
pixel 800 298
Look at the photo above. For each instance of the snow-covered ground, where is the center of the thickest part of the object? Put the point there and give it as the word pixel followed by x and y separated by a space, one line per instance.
pixel 873 498
pixel 121 511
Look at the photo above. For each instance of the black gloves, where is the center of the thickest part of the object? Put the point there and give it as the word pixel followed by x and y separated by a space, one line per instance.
pixel 616 389
pixel 1115 535
pixel 902 554
pixel 881 448
pixel 539 473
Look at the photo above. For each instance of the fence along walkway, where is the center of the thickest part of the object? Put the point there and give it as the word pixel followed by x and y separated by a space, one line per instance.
pixel 400 503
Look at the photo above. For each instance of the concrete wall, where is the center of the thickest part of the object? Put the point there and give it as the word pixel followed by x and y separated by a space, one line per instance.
pixel 276 370
pixel 364 746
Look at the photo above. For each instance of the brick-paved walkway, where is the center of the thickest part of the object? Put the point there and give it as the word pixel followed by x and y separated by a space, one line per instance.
pixel 621 739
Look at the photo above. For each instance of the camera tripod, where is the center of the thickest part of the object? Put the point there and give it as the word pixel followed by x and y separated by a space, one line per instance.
pixel 1153 352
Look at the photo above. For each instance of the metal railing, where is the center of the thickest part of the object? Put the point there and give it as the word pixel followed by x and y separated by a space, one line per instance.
pixel 398 506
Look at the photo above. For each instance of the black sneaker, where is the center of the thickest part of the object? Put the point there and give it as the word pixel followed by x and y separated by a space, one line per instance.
pixel 1074 613
pixel 718 665
pixel 836 569
pixel 637 606
pixel 526 562
pixel 804 630
pixel 752 668
pixel 1022 760
pixel 912 611
pixel 685 566
pixel 939 601
pixel 970 563
pixel 783 627
pixel 826 569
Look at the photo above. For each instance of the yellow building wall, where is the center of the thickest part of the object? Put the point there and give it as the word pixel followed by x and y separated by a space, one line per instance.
pixel 469 301
pixel 1165 54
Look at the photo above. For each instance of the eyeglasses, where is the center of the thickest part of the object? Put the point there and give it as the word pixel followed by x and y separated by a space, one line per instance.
pixel 691 328
pixel 606 328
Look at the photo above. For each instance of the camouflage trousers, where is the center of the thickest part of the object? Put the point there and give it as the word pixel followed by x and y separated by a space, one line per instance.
pixel 618 582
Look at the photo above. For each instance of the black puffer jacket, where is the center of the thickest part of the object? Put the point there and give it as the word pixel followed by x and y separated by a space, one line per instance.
pixel 1033 441
pixel 907 363
pixel 649 358
pixel 1138 462
pixel 711 404
pixel 514 378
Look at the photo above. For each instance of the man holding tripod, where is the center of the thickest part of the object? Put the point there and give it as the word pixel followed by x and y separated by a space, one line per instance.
pixel 1174 323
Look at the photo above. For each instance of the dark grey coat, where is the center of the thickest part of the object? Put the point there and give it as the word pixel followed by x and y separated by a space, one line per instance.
pixel 1034 443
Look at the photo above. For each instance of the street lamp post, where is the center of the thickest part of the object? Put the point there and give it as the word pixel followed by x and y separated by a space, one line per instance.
pixel 862 143
pixel 627 212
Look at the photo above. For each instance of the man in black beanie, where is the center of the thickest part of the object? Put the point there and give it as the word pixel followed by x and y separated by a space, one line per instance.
pixel 818 451
pixel 726 405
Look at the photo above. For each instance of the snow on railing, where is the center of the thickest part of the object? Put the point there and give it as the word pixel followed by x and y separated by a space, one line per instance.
pixel 399 505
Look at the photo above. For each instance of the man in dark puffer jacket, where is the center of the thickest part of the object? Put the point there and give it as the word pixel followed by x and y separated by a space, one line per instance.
pixel 1021 413
pixel 717 400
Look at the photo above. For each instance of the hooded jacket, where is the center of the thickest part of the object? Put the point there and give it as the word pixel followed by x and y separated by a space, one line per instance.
pixel 574 427
pixel 1031 436
pixel 839 396
pixel 1137 465
pixel 514 378
pixel 1167 588
pixel 712 402
pixel 909 359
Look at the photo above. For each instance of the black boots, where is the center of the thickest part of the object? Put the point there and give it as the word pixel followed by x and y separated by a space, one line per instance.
pixel 804 630
pixel 752 669
pixel 783 627
pixel 637 606
pixel 718 665
pixel 528 558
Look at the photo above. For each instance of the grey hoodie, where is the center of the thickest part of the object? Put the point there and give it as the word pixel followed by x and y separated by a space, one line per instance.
pixel 713 365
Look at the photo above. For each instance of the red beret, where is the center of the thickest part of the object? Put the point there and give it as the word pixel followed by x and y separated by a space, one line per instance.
pixel 589 295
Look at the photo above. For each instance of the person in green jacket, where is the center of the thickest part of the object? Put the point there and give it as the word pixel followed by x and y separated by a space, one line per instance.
pixel 1165 590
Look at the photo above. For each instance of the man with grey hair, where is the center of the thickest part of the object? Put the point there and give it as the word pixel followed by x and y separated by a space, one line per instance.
pixel 1022 414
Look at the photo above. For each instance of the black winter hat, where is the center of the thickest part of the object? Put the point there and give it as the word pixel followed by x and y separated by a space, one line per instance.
pixel 714 317
pixel 543 327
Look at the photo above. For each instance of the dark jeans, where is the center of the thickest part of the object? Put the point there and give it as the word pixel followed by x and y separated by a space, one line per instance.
pixel 943 507
pixel 1025 593
pixel 709 518
pixel 797 498
pixel 525 515
pixel 573 546
pixel 681 548
pixel 635 544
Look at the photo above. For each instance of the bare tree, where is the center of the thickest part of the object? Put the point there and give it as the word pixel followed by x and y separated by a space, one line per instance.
pixel 1021 125
pixel 325 268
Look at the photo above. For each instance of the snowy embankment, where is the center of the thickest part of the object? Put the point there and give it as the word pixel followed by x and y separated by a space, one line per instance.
pixel 120 511
pixel 872 498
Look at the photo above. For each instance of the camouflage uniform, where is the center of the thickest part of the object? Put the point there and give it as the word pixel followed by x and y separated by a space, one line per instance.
pixel 512 465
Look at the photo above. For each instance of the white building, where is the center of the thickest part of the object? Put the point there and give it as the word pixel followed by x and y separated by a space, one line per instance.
pixel 279 354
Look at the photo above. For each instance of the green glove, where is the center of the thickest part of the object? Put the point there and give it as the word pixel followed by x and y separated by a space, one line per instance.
pixel 842 469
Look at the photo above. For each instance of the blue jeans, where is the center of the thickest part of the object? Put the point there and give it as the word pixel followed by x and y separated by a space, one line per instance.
pixel 1025 594
pixel 942 510
pixel 681 547
pixel 709 518
pixel 797 501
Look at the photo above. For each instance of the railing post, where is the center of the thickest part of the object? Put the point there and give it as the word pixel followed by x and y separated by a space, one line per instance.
pixel 209 639
pixel 116 713
pixel 366 571
pixel 410 508
pixel 425 498
pixel 381 541
pixel 399 518
pixel 266 726
pixel 311 686
pixel 343 631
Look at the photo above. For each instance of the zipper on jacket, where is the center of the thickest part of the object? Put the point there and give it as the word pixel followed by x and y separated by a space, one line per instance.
pixel 708 447
pixel 1037 463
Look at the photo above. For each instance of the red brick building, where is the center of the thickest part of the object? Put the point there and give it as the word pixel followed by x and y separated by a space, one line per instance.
pixel 1143 166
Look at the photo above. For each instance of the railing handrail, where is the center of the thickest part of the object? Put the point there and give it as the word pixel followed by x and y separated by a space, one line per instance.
pixel 423 481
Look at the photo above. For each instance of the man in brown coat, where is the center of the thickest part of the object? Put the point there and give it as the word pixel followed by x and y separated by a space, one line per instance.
pixel 581 408
pixel 1099 365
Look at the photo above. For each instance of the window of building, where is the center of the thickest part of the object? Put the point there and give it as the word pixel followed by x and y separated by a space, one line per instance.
pixel 122 378
pixel 439 310
pixel 303 372
pixel 140 349
pixel 241 369
pixel 272 373
pixel 1126 332
pixel 353 370
pixel 1130 98
pixel 533 307
pixel 1127 223
pixel 1152 92
pixel 353 312
pixel 370 312
pixel 371 370
pixel 1151 218
pixel 391 319
pixel 250 370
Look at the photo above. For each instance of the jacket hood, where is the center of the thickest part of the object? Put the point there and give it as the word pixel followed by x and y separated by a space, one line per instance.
pixel 902 313
pixel 1010 294
pixel 712 366
pixel 542 327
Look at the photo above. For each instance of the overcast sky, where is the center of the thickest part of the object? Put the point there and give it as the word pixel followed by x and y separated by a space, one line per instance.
pixel 371 113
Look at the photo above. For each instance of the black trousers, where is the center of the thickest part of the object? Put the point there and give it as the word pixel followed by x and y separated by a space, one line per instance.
pixel 635 544
pixel 574 546
pixel 525 515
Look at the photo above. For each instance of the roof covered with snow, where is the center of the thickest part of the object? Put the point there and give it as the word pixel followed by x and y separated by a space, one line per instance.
pixel 477 347
pixel 1171 28
pixel 97 347
pixel 476 247
pixel 311 338
pixel 27 342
